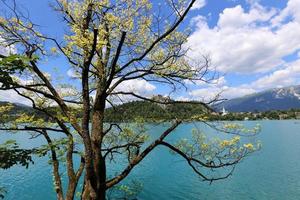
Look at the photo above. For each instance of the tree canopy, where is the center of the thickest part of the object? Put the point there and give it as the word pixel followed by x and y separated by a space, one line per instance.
pixel 107 43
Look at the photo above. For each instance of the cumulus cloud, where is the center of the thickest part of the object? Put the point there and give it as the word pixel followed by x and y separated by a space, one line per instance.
pixel 73 74
pixel 210 93
pixel 216 82
pixel 255 41
pixel 246 41
pixel 292 10
pixel 199 4
pixel 138 86
pixel 13 97
pixel 204 94
pixel 5 49
pixel 287 76
pixel 283 77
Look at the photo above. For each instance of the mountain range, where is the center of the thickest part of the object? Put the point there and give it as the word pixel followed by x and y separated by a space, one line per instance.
pixel 273 99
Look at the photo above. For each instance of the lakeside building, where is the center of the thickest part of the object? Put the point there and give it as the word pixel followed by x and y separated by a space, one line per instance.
pixel 224 112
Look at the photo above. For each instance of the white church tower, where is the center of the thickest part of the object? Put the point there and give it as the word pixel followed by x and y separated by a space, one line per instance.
pixel 224 112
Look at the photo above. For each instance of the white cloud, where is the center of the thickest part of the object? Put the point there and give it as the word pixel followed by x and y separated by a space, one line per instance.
pixel 234 92
pixel 245 42
pixel 219 81
pixel 225 92
pixel 236 17
pixel 182 98
pixel 287 76
pixel 13 97
pixel 6 50
pixel 292 10
pixel 199 4
pixel 280 78
pixel 73 74
pixel 138 86
pixel 67 91
pixel 204 94
pixel 216 82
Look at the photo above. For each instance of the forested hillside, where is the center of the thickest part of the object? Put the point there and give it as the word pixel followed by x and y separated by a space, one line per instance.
pixel 131 111
pixel 152 111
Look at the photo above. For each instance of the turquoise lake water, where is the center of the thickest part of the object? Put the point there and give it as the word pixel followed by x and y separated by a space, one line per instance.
pixel 272 173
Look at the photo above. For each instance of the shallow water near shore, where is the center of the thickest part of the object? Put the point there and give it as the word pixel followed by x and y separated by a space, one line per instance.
pixel 272 173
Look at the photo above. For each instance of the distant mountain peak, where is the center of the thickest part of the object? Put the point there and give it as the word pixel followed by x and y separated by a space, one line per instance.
pixel 292 91
pixel 284 98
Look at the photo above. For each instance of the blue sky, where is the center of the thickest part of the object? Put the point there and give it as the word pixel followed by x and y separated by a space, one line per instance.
pixel 254 45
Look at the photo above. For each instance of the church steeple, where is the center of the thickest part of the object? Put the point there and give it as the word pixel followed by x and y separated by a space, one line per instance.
pixel 224 112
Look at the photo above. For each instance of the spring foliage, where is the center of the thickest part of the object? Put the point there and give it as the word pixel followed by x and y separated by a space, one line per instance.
pixel 106 44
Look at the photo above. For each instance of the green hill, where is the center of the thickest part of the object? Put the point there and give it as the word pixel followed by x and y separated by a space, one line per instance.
pixel 152 111
pixel 17 110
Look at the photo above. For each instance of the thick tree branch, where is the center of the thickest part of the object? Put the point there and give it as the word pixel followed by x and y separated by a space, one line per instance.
pixel 141 156
pixel 115 60
pixel 55 164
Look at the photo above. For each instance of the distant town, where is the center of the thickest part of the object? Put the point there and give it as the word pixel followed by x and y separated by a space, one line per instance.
pixel 267 115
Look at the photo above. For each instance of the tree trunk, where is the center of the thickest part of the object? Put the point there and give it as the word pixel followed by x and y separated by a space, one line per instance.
pixel 98 182
pixel 71 190
pixel 58 185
